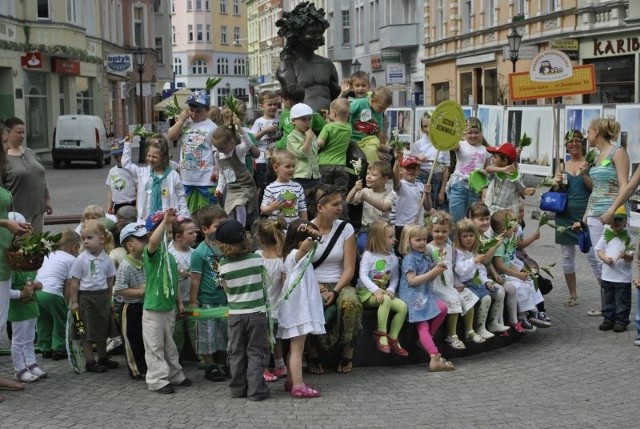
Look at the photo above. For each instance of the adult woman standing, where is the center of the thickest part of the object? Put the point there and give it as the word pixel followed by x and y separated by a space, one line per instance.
pixel 609 175
pixel 336 268
pixel 24 177
pixel 7 229
pixel 578 188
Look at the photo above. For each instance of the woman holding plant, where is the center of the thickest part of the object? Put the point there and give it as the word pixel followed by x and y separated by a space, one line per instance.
pixel 578 186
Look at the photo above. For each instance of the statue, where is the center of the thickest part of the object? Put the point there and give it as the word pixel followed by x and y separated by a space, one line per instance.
pixel 303 30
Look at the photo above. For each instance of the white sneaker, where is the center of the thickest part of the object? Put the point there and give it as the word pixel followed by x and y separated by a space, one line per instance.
pixel 35 370
pixel 474 336
pixel 26 377
pixel 113 343
pixel 482 331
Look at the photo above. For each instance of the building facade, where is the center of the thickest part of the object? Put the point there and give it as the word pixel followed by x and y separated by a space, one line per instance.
pixel 209 38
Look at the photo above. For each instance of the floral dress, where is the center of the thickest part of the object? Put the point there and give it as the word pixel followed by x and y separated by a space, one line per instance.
pixel 420 300
pixel 443 285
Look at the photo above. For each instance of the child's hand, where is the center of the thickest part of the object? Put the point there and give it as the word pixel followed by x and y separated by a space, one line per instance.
pixel 345 86
pixel 440 268
pixel 276 204
pixel 427 188
pixel 306 245
pixel 607 260
pixel 397 153
pixel 390 294
pixel 379 294
pixel 26 294
pixel 180 308
pixel 358 185
pixel 183 116
pixel 169 215
pixel 490 285
pixel 309 134
pixel 509 169
pixel 529 191
pixel 37 285
pixel 479 259
pixel 636 283
pixel 459 287
pixel 576 226
pixel 523 276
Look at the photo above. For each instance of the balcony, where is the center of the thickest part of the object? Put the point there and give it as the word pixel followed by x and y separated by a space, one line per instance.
pixel 399 36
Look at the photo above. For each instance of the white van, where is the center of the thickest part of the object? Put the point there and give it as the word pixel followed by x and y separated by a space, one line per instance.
pixel 80 138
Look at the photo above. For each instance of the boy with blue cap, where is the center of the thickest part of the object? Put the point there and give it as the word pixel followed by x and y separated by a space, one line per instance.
pixel 121 182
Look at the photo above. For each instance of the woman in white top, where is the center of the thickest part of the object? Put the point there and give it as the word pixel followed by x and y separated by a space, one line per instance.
pixel 334 275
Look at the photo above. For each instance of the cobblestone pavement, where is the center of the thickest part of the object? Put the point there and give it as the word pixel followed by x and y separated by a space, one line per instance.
pixel 568 376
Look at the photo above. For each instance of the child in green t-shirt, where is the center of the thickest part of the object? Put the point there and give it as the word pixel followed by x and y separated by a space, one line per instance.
pixel 333 143
pixel 23 314
pixel 367 121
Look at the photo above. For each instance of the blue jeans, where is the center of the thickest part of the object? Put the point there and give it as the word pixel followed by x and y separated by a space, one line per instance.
pixel 616 302
pixel 461 196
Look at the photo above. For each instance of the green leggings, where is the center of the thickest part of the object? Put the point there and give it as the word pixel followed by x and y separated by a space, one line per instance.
pixel 52 322
pixel 396 305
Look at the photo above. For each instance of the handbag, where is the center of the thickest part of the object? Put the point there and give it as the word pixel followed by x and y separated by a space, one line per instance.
pixel 553 201
pixel 584 239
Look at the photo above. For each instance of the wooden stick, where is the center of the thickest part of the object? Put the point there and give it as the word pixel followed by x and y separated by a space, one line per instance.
pixel 424 194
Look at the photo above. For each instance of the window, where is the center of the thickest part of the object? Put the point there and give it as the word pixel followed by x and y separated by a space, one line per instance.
pixel 36 103
pixel 345 28
pixel 441 24
pixel 223 34
pixel 490 87
pixel 72 11
pixel 199 32
pixel 198 4
pixel 236 35
pixel 44 9
pixel 614 83
pixel 89 17
pixel 159 50
pixel 207 34
pixel 519 7
pixel 223 66
pixel 190 33
pixel 138 29
pixel 84 95
pixel 358 25
pixel 173 34
pixel 374 20
pixel 236 7
pixel 177 66
pixel 173 6
pixel 223 7
pixel 157 6
pixel 552 5
pixel 466 88
pixel 440 92
pixel 490 14
pixel 189 4
pixel 467 10
pixel 199 67
pixel 239 67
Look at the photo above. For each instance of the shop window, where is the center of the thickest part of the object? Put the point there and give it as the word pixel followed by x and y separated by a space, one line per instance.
pixel 614 82
pixel 84 95
pixel 466 88
pixel 440 92
pixel 36 107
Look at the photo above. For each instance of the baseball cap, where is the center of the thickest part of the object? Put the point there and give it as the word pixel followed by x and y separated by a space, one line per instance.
pixel 153 220
pixel 506 149
pixel 230 232
pixel 127 213
pixel 199 99
pixel 409 160
pixel 299 110
pixel 117 146
pixel 132 229
pixel 621 213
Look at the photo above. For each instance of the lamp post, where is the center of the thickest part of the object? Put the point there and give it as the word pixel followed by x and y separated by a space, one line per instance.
pixel 228 87
pixel 355 65
pixel 514 39
pixel 140 57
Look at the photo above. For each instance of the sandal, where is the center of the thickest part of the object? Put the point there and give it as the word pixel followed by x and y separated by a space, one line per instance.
pixel 268 376
pixel 314 366
pixel 439 364
pixel 571 301
pixel 304 391
pixel 377 336
pixel 345 365
pixel 397 348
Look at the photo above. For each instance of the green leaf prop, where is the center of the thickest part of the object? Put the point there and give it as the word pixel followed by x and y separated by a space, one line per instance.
pixel 173 109
pixel 140 131
pixel 212 82
pixel 525 141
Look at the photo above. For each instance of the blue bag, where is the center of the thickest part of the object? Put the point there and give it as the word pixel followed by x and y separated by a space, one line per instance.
pixel 552 201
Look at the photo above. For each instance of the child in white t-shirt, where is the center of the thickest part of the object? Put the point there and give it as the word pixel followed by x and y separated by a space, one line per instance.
pixel 121 182
pixel 412 197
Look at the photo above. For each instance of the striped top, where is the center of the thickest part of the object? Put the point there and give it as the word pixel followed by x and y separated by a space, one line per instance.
pixel 242 278
pixel 291 193
pixel 605 185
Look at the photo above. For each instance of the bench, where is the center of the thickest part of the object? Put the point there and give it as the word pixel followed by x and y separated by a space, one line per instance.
pixel 62 220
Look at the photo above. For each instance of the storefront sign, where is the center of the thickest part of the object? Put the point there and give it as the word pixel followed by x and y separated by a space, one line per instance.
pixel 571 47
pixel 550 66
pixel 120 63
pixel 582 81
pixel 396 74
pixel 31 60
pixel 65 66
pixel 627 45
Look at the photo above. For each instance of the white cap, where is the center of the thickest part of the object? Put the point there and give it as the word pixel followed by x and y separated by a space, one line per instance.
pixel 299 110
pixel 16 216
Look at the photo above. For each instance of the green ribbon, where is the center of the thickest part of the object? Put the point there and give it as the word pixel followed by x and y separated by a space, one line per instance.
pixel 623 235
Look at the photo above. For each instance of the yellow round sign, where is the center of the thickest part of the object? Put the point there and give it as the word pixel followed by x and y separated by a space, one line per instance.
pixel 446 125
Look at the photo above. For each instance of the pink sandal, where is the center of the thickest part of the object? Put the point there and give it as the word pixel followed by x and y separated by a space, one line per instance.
pixel 304 391
pixel 268 376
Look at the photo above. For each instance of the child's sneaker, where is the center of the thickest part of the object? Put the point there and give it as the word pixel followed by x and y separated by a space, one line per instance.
pixel 532 316
pixel 280 372
pixel 543 316
pixel 455 342
pixel 35 370
pixel 474 336
pixel 95 367
pixel 527 326
pixel 268 376
pixel 26 377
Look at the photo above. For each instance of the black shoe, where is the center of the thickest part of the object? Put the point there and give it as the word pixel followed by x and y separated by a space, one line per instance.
pixel 47 355
pixel 607 325
pixel 165 390
pixel 108 363
pixel 59 356
pixel 619 327
pixel 213 373
pixel 95 367
pixel 184 383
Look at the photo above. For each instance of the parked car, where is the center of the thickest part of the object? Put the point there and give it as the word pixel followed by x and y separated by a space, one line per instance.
pixel 80 138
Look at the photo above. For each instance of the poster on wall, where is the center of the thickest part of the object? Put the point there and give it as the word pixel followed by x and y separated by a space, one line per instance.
pixel 492 118
pixel 577 118
pixel 537 123
pixel 402 120
pixel 627 115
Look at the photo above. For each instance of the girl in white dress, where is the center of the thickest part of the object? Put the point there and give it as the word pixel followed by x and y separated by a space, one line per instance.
pixel 300 310
pixel 459 300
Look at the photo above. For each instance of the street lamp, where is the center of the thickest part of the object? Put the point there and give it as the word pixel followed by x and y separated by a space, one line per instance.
pixel 140 57
pixel 514 39
pixel 228 87
pixel 355 65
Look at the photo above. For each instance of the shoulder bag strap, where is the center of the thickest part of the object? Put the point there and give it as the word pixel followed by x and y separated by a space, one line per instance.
pixel 329 247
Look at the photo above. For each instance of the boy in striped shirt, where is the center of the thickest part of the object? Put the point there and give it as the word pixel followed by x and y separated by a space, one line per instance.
pixel 241 274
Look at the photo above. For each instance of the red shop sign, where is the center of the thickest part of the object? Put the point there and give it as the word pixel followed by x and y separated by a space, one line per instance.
pixel 64 66
pixel 31 60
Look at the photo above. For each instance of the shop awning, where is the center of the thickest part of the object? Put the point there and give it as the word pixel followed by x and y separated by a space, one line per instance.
pixel 180 94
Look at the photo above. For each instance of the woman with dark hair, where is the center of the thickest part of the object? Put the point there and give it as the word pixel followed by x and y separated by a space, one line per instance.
pixel 334 263
pixel 24 177
pixel 578 186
